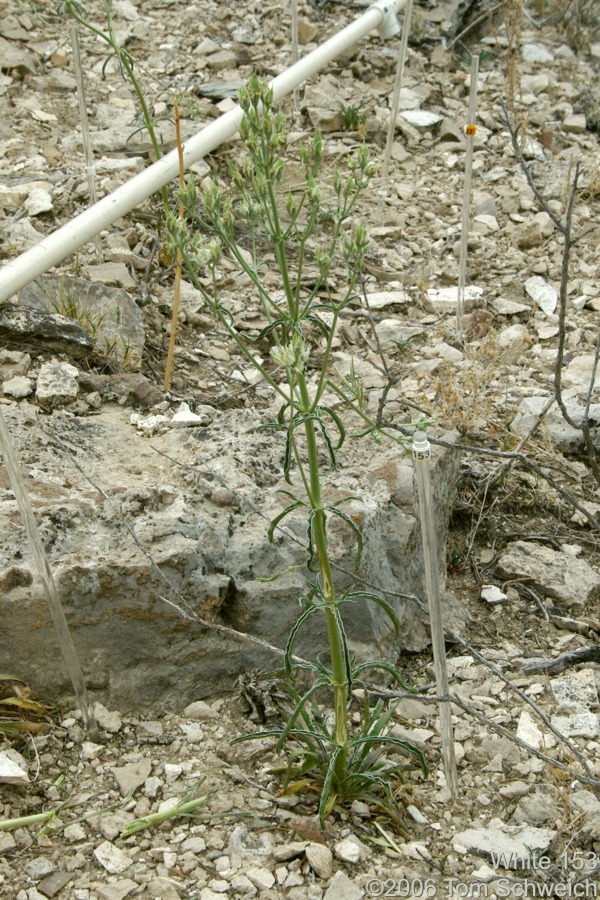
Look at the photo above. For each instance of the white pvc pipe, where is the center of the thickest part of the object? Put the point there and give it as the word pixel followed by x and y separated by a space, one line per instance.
pixel 53 249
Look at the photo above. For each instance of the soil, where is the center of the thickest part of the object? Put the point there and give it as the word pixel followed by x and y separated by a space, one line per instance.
pixel 250 837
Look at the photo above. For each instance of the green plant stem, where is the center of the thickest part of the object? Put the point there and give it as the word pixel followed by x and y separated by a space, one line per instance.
pixel 185 808
pixel 338 670
pixel 326 356
pixel 373 425
pixel 35 819
pixel 266 300
pixel 224 321
pixel 123 58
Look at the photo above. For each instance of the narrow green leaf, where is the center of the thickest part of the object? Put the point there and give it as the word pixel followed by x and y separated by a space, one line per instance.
pixel 328 443
pixel 320 324
pixel 353 596
pixel 291 495
pixel 327 785
pixel 287 456
pixel 345 651
pixel 356 530
pixel 293 634
pixel 300 706
pixel 269 328
pixel 281 414
pixel 256 736
pixel 387 667
pixel 340 425
pixel 265 579
pixel 309 534
pixel 275 522
pixel 388 739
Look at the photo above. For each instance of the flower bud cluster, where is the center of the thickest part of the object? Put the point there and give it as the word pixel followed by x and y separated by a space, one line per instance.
pixel 354 247
pixel 293 355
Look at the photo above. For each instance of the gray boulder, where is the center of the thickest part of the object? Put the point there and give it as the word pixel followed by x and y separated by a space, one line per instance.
pixel 556 574
pixel 147 563
pixel 32 327
pixel 109 315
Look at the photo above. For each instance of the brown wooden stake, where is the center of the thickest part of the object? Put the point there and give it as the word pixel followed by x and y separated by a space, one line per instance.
pixel 177 291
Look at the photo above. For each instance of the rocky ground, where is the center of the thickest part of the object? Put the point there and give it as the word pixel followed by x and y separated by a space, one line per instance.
pixel 522 546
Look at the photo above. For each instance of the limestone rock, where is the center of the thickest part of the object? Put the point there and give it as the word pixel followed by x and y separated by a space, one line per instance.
pixel 18 387
pixel 591 822
pixel 56 384
pixel 544 294
pixel 537 53
pixel 55 332
pixel 108 720
pixel 575 123
pixel 342 888
pixel 111 273
pixel 325 119
pixel 538 807
pixel 222 59
pixel 578 375
pixel 13 768
pixel 12 56
pixel 54 883
pixel 492 594
pixel 112 858
pixel 132 775
pixel 529 731
pixel 244 845
pixel 571 581
pixel 348 851
pixel 15 577
pixel 125 387
pixel 261 878
pixel 421 118
pixel 116 890
pixel 185 418
pixel 39 867
pixel 213 560
pixel 39 201
pixel 582 724
pixel 576 690
pixel 563 435
pixel 585 801
pixel 200 710
pixel 13 363
pixel 110 314
pixel 289 850
pixel 307 31
pixel 7 842
pixel 514 843
pixel 320 858
pixel 446 299
pixel 321 105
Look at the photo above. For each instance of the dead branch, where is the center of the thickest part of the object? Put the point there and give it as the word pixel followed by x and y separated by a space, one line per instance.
pixel 572 658
pixel 564 226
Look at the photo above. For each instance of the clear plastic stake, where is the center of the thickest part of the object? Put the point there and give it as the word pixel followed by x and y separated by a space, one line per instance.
pixel 422 454
pixel 295 52
pixel 470 132
pixel 17 483
pixel 396 93
pixel 90 168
